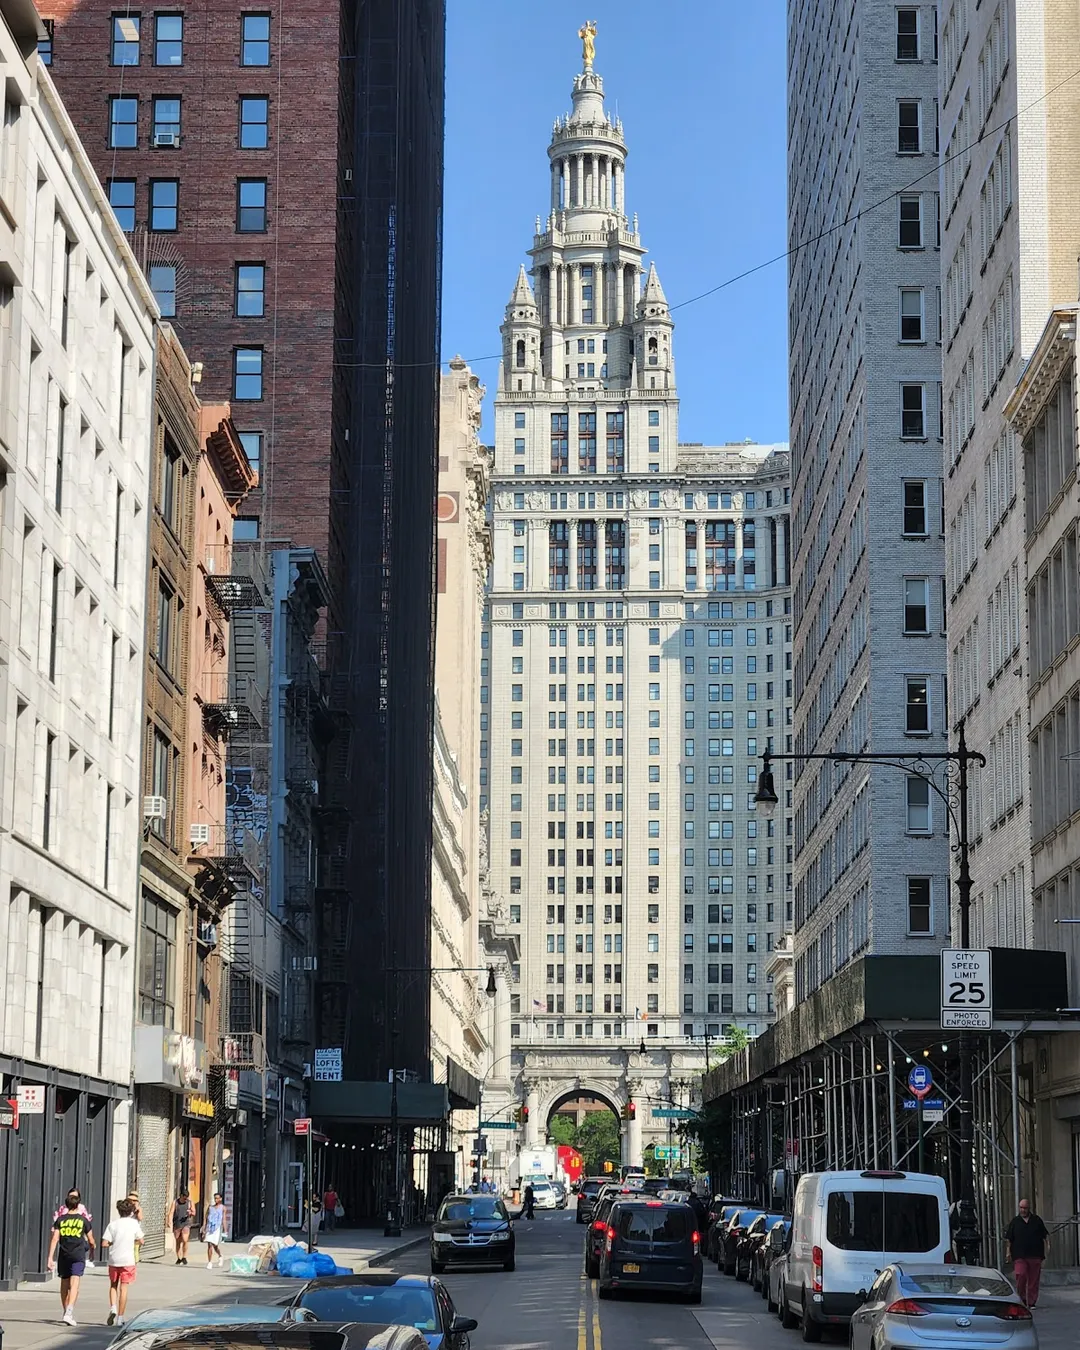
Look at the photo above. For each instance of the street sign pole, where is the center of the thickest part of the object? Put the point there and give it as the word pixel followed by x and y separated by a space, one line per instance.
pixel 310 1189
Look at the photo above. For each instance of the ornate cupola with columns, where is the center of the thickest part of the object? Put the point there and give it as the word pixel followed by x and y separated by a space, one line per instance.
pixel 637 913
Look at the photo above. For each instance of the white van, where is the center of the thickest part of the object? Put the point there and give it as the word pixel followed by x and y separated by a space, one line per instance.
pixel 846 1227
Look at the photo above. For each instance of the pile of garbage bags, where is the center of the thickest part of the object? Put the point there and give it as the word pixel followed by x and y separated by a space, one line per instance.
pixel 289 1258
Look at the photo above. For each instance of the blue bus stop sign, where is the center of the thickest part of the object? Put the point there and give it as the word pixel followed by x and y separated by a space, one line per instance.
pixel 919 1081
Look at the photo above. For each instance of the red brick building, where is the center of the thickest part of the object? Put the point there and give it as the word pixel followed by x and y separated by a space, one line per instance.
pixel 279 169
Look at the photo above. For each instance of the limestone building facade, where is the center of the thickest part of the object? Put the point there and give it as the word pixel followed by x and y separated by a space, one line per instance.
pixel 871 865
pixel 76 362
pixel 637 665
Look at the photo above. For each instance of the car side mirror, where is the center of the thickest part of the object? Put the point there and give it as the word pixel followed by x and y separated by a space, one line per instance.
pixel 861 1296
pixel 462 1324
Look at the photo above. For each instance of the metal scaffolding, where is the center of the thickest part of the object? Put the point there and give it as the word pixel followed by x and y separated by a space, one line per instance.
pixel 844 1105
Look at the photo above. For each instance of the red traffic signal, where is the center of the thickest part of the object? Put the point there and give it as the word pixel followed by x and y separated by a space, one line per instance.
pixel 631 1111
pixel 524 1115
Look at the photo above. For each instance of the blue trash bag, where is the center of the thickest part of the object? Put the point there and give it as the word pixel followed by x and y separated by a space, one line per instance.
pixel 288 1258
pixel 304 1269
pixel 344 1270
pixel 324 1264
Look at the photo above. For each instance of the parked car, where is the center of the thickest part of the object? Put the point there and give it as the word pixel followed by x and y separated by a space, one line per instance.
pixel 207 1315
pixel 730 1236
pixel 544 1194
pixel 719 1212
pixel 766 1253
pixel 287 1336
pixel 588 1189
pixel 968 1307
pixel 651 1245
pixel 848 1226
pixel 748 1243
pixel 472 1230
pixel 596 1232
pixel 562 1196
pixel 419 1301
pixel 776 1279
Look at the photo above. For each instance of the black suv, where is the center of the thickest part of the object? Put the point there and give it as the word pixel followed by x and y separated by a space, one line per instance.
pixel 588 1189
pixel 650 1244
pixel 473 1230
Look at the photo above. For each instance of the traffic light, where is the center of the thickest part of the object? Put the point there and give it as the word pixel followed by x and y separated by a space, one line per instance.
pixel 631 1111
pixel 517 1115
pixel 609 1167
pixel 524 1115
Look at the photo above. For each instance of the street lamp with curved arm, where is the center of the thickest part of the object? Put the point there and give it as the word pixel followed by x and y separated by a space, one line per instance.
pixel 924 765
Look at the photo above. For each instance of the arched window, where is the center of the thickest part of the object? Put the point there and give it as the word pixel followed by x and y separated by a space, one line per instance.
pixel 652 352
pixel 520 360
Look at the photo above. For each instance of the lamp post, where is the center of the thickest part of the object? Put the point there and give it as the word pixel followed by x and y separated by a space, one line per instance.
pixel 392 1227
pixel 924 766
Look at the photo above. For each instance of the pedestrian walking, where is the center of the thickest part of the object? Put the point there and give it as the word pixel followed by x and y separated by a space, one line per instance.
pixel 180 1221
pixel 530 1202
pixel 213 1229
pixel 133 1196
pixel 316 1219
pixel 330 1206
pixel 63 1209
pixel 1027 1245
pixel 122 1239
pixel 73 1234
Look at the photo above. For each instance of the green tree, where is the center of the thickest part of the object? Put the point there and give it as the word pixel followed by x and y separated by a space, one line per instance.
pixel 562 1130
pixel 598 1141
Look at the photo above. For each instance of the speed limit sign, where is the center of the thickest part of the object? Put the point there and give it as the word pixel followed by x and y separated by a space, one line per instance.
pixel 967 1001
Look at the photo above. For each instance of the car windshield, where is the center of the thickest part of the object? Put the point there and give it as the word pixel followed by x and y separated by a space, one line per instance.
pixel 877 1221
pixel 394 1304
pixel 979 1284
pixel 591 1187
pixel 220 1315
pixel 475 1207
pixel 649 1223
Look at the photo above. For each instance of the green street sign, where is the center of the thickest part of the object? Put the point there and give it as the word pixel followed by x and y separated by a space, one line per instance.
pixel 673 1113
pixel 497 1125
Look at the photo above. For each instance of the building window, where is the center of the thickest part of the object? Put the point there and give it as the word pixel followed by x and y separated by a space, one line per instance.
pixel 252 442
pixel 245 529
pixel 907 34
pixel 163 642
pixel 166 121
pixel 915 507
pixel 168 39
pixel 157 960
pixel 913 411
pixel 163 284
pixel 250 289
pixel 910 222
pixel 122 201
pixel 911 315
pixel 123 123
pixel 250 205
pixel 918 805
pixel 916 605
pixel 45 44
pixel 255 40
pixel 254 123
pixel 247 372
pixel 125 39
pixel 917 705
pixel 908 127
pixel 920 907
pixel 164 203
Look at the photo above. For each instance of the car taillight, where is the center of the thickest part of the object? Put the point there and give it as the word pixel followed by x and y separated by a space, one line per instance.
pixel 1014 1312
pixel 816 1261
pixel 907 1307
pixel 610 1240
pixel 695 1237
pixel 599 1225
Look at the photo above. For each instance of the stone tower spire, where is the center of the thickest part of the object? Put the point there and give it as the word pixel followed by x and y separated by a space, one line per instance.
pixel 521 338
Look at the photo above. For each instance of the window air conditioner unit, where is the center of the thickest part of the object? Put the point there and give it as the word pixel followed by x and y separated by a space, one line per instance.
pixel 154 808
pixel 198 834
pixel 166 138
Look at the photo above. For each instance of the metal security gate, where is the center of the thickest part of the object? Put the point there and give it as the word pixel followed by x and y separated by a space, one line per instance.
pixel 152 1164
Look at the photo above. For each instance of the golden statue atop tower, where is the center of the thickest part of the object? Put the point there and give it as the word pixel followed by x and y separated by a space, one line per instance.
pixel 587 34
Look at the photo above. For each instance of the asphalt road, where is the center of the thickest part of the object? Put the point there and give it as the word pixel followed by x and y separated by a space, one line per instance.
pixel 547 1304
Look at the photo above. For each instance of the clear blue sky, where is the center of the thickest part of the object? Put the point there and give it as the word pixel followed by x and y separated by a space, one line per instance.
pixel 700 87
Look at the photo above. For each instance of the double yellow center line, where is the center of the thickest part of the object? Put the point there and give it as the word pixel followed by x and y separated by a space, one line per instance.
pixel 589 1303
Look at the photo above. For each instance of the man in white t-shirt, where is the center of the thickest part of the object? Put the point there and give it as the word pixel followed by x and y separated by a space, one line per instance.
pixel 121 1241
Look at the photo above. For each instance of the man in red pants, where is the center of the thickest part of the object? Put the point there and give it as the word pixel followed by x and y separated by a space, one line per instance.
pixel 1027 1245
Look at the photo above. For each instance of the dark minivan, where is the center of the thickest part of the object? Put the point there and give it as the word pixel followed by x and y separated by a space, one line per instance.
pixel 588 1189
pixel 654 1245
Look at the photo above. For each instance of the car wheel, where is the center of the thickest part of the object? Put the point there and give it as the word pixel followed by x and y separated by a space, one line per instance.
pixel 603 1292
pixel 578 1218
pixel 729 1269
pixel 811 1330
pixel 437 1267
pixel 740 1272
pixel 694 1296
pixel 592 1269
pixel 769 1298
pixel 509 1265
pixel 788 1320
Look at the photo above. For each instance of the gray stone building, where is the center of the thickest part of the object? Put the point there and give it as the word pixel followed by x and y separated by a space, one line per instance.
pixel 637 665
pixel 871 855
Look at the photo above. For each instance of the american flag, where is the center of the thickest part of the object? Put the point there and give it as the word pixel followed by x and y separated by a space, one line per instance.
pixel 537 1003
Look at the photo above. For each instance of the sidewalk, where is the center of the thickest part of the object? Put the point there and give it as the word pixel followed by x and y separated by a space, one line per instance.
pixel 30 1317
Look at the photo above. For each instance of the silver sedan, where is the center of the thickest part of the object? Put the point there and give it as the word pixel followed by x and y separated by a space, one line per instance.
pixel 914 1305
